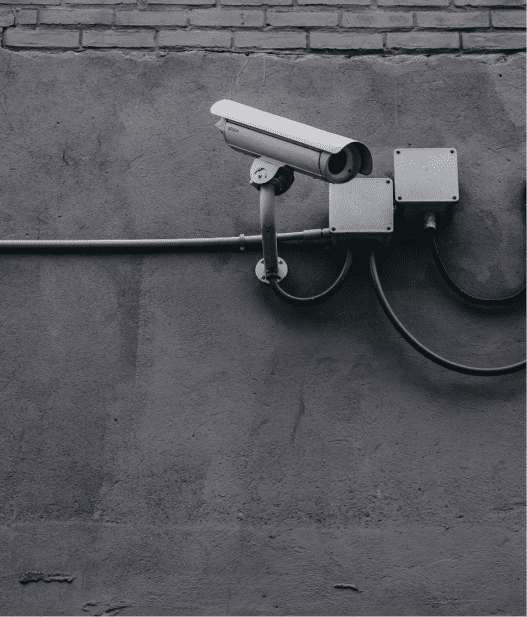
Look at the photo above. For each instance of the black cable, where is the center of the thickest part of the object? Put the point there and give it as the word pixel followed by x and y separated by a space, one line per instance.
pixel 465 295
pixel 453 366
pixel 322 297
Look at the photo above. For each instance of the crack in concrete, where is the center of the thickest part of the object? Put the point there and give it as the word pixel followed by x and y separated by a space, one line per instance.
pixel 98 609
pixel 238 76
pixel 300 411
pixel 4 94
pixel 299 415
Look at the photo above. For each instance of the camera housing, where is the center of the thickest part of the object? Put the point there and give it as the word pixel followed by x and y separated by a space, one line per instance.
pixel 303 148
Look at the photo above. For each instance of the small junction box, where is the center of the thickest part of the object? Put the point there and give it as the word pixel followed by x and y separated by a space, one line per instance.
pixel 361 208
pixel 426 179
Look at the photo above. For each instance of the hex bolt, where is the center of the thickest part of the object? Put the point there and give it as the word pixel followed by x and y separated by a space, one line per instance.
pixel 397 152
pixel 451 151
pixel 333 229
pixel 263 276
pixel 387 182
pixel 280 261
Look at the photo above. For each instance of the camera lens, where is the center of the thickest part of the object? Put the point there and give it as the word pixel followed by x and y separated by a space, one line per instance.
pixel 337 162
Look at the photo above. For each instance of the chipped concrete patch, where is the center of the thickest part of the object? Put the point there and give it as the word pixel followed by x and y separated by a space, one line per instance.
pixel 34 577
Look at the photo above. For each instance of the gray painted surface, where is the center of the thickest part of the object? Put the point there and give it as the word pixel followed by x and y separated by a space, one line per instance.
pixel 179 440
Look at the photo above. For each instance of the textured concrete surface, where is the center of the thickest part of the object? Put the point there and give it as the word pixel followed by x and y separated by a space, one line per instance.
pixel 178 440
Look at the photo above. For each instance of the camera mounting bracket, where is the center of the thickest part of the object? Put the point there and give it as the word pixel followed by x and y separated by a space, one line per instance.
pixel 271 178
pixel 266 170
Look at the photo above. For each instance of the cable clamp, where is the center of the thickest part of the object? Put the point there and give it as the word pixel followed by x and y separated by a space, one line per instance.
pixel 242 242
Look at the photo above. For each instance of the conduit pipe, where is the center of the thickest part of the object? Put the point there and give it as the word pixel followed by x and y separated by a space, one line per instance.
pixel 157 244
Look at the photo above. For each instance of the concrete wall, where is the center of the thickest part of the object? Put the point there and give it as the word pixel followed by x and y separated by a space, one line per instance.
pixel 181 442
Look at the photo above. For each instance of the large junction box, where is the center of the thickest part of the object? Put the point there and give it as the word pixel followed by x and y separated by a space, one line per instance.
pixel 361 208
pixel 425 179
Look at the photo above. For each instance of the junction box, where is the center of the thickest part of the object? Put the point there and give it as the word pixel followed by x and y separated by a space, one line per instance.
pixel 361 209
pixel 425 179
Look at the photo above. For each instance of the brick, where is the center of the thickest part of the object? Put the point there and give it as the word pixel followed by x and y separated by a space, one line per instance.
pixel 458 20
pixel 76 16
pixel 16 2
pixel 7 17
pixel 423 40
pixel 352 40
pixel 26 16
pixel 222 17
pixel 412 2
pixel 493 40
pixel 257 2
pixel 271 40
pixel 18 37
pixel 176 2
pixel 151 18
pixel 97 2
pixel 302 18
pixel 336 2
pixel 118 38
pixel 378 19
pixel 194 38
pixel 497 3
pixel 508 19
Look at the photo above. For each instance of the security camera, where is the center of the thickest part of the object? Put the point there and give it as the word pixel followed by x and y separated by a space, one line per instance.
pixel 303 148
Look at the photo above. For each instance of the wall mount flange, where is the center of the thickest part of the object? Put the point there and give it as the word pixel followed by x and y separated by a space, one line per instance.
pixel 260 271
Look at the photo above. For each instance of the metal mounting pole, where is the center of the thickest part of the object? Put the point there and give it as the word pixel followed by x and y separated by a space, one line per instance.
pixel 267 220
pixel 271 179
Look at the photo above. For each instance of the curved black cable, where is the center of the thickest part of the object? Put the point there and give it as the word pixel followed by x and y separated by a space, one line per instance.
pixel 453 366
pixel 465 295
pixel 322 297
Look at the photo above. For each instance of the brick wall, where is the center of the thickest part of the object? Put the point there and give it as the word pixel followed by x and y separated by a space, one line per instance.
pixel 287 26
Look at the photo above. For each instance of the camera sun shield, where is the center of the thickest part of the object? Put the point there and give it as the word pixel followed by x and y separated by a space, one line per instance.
pixel 304 148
